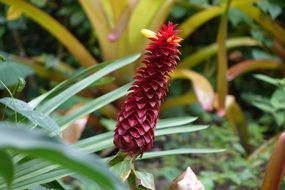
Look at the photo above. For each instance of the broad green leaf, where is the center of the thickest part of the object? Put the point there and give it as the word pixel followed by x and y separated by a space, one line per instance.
pixel 212 49
pixel 11 71
pixel 145 179
pixel 6 167
pixel 278 98
pixel 250 65
pixel 222 85
pixel 202 87
pixel 94 105
pixel 36 117
pixel 56 29
pixel 57 100
pixel 180 151
pixel 38 145
pixel 123 169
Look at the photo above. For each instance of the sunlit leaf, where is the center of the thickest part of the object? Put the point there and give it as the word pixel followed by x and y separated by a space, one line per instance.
pixel 198 19
pixel 13 13
pixel 212 49
pixel 56 29
pixel 100 24
pixel 202 87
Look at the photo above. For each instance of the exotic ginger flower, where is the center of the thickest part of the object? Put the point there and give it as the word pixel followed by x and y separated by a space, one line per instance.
pixel 137 119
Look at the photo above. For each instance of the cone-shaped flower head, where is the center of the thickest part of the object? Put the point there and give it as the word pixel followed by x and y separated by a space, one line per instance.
pixel 137 119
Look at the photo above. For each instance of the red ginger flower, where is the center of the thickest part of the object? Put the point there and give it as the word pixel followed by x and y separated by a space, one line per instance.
pixel 137 119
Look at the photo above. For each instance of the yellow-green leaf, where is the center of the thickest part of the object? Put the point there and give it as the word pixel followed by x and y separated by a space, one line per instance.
pixel 13 13
pixel 56 29
pixel 202 87
pixel 222 85
pixel 210 50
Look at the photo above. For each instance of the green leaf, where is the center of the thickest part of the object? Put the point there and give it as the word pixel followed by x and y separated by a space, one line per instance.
pixel 176 121
pixel 269 80
pixel 148 155
pixel 162 123
pixel 10 72
pixel 6 167
pixel 38 118
pixel 273 9
pixel 146 179
pixel 180 129
pixel 212 49
pixel 278 98
pixel 57 100
pixel 123 169
pixel 94 105
pixel 38 145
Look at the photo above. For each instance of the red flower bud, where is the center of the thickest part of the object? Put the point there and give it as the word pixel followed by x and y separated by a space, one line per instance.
pixel 137 119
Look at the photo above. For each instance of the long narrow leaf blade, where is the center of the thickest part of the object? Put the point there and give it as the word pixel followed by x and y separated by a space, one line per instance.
pixel 37 145
pixel 37 117
pixel 56 101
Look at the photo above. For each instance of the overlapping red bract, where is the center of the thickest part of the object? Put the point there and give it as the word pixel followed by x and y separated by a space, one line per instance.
pixel 137 119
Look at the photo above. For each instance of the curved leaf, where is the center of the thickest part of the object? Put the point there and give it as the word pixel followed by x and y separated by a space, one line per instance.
pixel 198 19
pixel 37 145
pixel 250 65
pixel 60 98
pixel 56 29
pixel 180 151
pixel 210 50
pixel 38 118
pixel 202 87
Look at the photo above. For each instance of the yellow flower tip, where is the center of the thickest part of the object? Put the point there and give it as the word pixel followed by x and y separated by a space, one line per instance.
pixel 177 40
pixel 169 39
pixel 149 34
